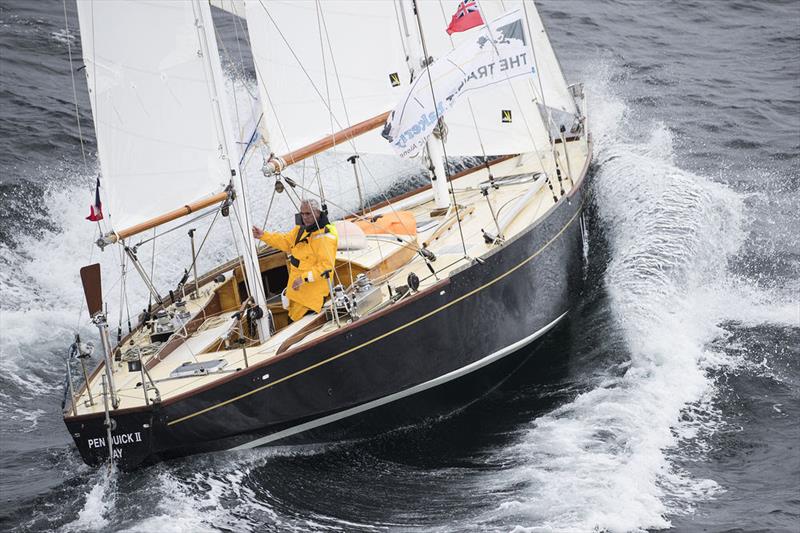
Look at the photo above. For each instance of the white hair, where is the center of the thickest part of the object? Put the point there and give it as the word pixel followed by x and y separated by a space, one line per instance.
pixel 313 203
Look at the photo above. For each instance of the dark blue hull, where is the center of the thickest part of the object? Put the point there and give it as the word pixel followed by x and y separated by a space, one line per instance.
pixel 428 355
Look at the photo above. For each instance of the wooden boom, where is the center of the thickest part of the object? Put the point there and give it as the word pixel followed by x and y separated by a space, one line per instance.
pixel 167 217
pixel 277 164
pixel 274 165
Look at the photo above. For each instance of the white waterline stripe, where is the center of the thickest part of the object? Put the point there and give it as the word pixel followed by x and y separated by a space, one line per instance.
pixel 402 394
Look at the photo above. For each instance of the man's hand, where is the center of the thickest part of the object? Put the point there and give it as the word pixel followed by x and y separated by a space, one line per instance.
pixel 297 283
pixel 257 232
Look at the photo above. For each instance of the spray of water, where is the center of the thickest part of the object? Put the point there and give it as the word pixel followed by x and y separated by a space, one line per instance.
pixel 601 461
pixel 604 460
pixel 43 307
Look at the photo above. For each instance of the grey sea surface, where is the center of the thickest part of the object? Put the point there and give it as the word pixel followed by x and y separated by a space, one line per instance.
pixel 672 396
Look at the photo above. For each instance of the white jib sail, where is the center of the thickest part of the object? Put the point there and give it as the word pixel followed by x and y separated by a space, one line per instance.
pixel 486 108
pixel 324 66
pixel 554 90
pixel 494 55
pixel 156 136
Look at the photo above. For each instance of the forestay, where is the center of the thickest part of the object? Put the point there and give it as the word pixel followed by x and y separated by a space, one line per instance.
pixel 157 138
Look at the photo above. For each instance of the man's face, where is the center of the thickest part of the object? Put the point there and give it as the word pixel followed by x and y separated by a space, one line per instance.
pixel 308 213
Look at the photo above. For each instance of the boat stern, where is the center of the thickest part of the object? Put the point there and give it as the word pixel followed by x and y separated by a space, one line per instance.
pixel 131 439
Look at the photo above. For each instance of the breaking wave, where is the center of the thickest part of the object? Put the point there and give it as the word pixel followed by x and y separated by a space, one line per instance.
pixel 608 459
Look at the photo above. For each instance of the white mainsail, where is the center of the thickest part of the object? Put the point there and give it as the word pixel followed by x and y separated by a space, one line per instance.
pixel 148 87
pixel 320 72
pixel 324 66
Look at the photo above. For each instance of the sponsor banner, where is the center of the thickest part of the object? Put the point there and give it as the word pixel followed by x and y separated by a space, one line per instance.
pixel 495 53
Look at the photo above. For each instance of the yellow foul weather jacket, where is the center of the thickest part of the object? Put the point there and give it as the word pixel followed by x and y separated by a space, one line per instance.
pixel 310 255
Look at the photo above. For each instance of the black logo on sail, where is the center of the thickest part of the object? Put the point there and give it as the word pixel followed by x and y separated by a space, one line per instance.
pixel 394 79
pixel 505 115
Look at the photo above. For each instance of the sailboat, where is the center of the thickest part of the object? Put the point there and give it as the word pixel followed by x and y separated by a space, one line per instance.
pixel 435 291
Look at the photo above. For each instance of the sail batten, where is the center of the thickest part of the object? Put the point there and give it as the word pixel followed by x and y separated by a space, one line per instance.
pixel 157 142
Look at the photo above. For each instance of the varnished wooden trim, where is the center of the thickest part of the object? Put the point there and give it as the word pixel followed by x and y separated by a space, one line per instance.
pixel 340 137
pixel 383 335
pixel 168 217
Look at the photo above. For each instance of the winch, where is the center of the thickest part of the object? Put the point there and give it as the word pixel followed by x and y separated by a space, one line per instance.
pixel 166 322
pixel 182 315
pixel 356 302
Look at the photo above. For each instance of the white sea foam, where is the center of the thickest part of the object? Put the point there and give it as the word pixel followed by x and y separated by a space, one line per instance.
pixel 64 36
pixel 601 461
pixel 210 493
pixel 605 461
pixel 43 299
pixel 193 505
pixel 43 307
pixel 28 418
pixel 98 505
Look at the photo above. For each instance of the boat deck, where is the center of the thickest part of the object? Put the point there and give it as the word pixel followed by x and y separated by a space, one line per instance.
pixel 440 234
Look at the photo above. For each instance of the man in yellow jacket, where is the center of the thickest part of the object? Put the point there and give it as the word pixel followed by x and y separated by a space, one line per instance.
pixel 312 252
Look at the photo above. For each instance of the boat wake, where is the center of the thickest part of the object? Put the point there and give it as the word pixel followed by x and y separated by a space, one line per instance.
pixel 201 494
pixel 610 458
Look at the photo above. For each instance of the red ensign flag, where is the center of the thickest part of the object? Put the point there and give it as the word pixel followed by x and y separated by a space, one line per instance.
pixel 96 210
pixel 467 16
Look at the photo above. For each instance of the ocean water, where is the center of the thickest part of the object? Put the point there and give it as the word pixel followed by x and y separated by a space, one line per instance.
pixel 672 397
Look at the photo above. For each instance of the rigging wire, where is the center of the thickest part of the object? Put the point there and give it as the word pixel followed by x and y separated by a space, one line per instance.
pixel 300 64
pixel 344 107
pixel 400 30
pixel 205 237
pixel 318 9
pixel 152 267
pixel 517 101
pixel 469 100
pixel 438 121
pixel 269 208
pixel 239 256
pixel 74 89
pixel 360 160
pixel 511 86
pixel 319 94
pixel 548 118
pixel 122 294
pixel 179 226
